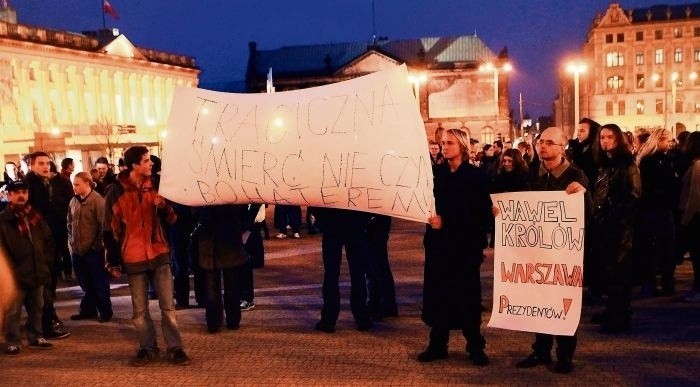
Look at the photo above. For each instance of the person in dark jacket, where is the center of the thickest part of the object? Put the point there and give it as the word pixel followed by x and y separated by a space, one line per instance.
pixel 615 203
pixel 655 233
pixel 49 196
pixel 381 289
pixel 454 242
pixel 555 173
pixel 343 228
pixel 26 237
pixel 512 175
pixel 87 210
pixel 218 241
pixel 580 152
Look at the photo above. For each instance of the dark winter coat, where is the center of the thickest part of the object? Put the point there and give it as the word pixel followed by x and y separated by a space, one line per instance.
pixel 615 203
pixel 53 204
pixel 581 155
pixel 660 182
pixel 454 252
pixel 510 182
pixel 30 258
pixel 217 238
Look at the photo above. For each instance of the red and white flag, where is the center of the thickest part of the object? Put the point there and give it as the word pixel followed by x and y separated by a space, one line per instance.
pixel 109 9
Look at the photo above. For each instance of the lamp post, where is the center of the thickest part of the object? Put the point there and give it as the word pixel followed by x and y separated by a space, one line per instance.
pixel 576 68
pixel 490 67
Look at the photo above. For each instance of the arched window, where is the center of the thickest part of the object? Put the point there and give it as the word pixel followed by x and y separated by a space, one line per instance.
pixel 615 82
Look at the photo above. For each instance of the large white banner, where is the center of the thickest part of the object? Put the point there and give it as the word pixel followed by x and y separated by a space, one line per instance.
pixel 358 144
pixel 538 262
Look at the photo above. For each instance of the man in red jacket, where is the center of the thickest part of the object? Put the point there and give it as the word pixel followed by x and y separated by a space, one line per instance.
pixel 135 239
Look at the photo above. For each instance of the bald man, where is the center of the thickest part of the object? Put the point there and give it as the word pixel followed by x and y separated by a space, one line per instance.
pixel 555 173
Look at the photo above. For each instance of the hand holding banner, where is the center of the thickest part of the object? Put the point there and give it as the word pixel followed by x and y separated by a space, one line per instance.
pixel 358 144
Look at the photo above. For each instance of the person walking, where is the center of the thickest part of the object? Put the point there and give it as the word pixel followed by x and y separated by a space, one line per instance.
pixel 135 239
pixel 454 243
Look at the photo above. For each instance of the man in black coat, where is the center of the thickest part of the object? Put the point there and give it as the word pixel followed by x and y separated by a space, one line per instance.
pixel 46 197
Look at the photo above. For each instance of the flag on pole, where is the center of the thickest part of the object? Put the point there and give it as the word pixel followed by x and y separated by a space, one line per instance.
pixel 109 9
pixel 270 87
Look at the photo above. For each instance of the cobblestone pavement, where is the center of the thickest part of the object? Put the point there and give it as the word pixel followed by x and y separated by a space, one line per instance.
pixel 276 344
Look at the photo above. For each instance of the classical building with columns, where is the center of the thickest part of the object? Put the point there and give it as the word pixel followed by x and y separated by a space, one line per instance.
pixel 82 95
pixel 459 81
pixel 641 71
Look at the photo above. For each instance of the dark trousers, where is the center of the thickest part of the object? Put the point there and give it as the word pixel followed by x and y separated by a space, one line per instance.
pixel 230 304
pixel 355 243
pixel 440 336
pixel 566 345
pixel 49 312
pixel 692 230
pixel 93 279
pixel 255 248
pixel 32 299
pixel 63 253
pixel 247 292
pixel 655 236
pixel 287 216
pixel 380 280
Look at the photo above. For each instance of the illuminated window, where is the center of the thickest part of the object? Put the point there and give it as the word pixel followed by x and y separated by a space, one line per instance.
pixel 659 106
pixel 614 59
pixel 697 107
pixel 659 56
pixel 696 55
pixel 678 55
pixel 640 106
pixel 677 32
pixel 639 58
pixel 615 82
pixel 640 81
pixel 621 108
pixel 679 105
pixel 658 80
pixel 31 74
pixel 487 135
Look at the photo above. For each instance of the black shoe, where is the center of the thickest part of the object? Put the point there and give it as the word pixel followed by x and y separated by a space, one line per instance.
pixel 479 357
pixel 534 360
pixel 364 326
pixel 56 323
pixel 432 354
pixel 56 334
pixel 325 327
pixel 179 357
pixel 106 317
pixel 213 329
pixel 41 343
pixel 13 350
pixel 81 316
pixel 564 366
pixel 233 327
pixel 143 357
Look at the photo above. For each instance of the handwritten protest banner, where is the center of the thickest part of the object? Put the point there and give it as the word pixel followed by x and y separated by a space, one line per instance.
pixel 358 144
pixel 538 262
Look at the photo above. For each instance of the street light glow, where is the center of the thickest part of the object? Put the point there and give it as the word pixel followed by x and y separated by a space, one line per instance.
pixel 55 131
pixel 576 68
pixel 693 76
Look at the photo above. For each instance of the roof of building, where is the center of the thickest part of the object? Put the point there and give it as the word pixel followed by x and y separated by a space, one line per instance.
pixel 662 12
pixel 89 41
pixel 434 52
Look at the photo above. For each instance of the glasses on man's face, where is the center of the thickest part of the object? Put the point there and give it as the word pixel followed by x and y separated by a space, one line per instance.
pixel 547 143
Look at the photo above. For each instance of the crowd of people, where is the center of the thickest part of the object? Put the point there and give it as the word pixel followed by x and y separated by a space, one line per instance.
pixel 642 200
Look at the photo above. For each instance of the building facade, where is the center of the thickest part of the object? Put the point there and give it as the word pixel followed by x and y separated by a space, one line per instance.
pixel 642 70
pixel 83 95
pixel 459 81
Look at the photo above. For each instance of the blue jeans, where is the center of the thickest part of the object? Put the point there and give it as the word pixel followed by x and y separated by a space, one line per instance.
pixel 33 300
pixel 92 278
pixel 162 279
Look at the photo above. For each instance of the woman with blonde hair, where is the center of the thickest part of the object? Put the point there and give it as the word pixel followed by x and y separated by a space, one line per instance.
pixel 454 243
pixel 656 235
pixel 86 211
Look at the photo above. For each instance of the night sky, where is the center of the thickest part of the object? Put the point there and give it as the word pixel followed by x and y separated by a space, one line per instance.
pixel 539 34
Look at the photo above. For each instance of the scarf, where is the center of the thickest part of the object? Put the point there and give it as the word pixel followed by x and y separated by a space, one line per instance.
pixel 27 218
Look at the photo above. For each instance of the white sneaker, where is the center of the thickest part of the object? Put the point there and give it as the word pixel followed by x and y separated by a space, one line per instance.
pixel 245 305
pixel 296 235
pixel 281 236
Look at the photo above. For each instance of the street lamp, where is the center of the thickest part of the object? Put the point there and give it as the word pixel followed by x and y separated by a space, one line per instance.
pixel 490 67
pixel 416 80
pixel 576 68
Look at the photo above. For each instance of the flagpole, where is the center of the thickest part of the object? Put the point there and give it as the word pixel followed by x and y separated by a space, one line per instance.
pixel 104 21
